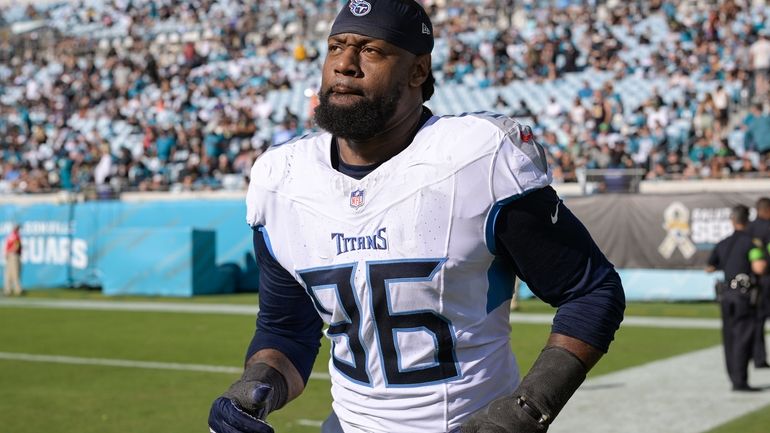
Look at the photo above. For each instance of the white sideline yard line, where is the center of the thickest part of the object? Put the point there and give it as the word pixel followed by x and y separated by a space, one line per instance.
pixel 689 393
pixel 309 423
pixel 251 310
pixel 151 365
pixel 639 321
pixel 163 307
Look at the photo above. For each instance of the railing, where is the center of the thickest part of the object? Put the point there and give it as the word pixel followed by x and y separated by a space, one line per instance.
pixel 613 180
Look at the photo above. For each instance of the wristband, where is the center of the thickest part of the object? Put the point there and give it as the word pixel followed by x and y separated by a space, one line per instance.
pixel 249 391
pixel 264 373
pixel 555 376
pixel 532 411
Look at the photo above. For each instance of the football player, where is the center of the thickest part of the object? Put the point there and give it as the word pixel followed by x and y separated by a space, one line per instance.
pixel 403 232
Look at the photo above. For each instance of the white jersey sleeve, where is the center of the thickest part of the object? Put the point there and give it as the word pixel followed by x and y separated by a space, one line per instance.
pixel 520 164
pixel 270 174
pixel 263 184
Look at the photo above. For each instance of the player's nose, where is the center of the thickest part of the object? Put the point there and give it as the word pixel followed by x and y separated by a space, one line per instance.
pixel 347 63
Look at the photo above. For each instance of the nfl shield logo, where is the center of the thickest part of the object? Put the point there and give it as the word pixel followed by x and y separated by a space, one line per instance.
pixel 357 198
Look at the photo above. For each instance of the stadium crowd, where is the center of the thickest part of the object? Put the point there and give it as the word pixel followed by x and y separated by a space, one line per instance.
pixel 175 95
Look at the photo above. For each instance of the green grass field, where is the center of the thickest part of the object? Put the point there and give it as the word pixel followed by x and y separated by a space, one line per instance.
pixel 40 397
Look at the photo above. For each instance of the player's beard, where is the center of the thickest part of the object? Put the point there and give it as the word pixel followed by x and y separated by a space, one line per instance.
pixel 360 121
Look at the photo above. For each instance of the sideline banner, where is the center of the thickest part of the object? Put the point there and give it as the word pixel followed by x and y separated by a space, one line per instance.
pixel 668 231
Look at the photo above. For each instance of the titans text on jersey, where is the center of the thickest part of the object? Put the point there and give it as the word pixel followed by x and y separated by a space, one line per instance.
pixel 377 241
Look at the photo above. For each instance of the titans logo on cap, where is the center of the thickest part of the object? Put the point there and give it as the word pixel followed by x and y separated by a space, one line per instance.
pixel 360 8
pixel 404 24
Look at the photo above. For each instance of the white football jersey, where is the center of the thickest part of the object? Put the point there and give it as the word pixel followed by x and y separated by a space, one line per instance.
pixel 399 265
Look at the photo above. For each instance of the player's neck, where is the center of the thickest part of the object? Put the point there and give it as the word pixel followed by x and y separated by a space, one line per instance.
pixel 383 146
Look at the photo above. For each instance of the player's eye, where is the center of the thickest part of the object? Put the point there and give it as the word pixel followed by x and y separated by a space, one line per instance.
pixel 370 50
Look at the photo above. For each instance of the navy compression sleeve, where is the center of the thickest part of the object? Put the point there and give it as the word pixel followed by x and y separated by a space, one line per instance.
pixel 553 252
pixel 287 320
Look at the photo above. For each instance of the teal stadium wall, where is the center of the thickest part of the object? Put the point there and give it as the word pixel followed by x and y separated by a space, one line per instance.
pixel 167 262
pixel 175 248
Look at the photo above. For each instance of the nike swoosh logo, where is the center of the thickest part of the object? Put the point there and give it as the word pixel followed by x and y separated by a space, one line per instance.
pixel 555 216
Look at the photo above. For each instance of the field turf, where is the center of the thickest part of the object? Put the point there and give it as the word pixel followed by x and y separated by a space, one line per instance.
pixel 66 398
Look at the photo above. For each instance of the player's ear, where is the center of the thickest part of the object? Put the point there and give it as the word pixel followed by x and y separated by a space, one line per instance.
pixel 420 70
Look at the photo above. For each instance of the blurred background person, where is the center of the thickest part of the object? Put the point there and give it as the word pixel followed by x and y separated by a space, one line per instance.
pixel 12 280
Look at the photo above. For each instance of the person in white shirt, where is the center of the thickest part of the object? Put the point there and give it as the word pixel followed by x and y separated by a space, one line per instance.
pixel 553 109
pixel 759 59
pixel 722 104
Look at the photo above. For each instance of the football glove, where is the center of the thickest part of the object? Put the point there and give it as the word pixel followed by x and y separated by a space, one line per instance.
pixel 245 405
pixel 555 376
pixel 227 417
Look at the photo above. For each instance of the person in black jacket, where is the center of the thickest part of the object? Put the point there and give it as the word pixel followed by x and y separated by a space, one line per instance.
pixel 738 257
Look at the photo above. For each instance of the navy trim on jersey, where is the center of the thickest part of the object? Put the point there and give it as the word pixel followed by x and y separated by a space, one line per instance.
pixel 287 320
pixel 563 266
pixel 357 172
pixel 494 213
pixel 501 281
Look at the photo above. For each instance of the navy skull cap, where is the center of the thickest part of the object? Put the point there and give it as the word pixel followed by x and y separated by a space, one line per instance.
pixel 403 23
